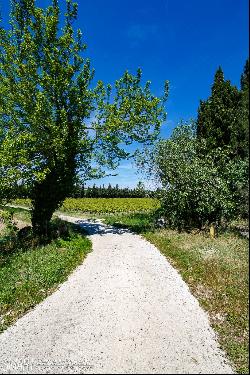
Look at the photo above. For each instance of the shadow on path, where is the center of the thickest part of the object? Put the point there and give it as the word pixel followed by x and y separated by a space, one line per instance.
pixel 97 227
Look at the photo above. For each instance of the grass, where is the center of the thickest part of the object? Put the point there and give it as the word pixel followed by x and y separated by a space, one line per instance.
pixel 216 271
pixel 18 213
pixel 28 275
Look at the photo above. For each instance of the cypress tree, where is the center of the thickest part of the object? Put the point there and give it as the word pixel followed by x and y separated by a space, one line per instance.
pixel 243 115
pixel 217 120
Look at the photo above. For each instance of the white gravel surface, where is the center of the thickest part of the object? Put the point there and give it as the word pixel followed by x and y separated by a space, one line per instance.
pixel 124 310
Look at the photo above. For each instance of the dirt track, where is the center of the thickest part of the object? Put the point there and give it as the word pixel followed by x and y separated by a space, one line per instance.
pixel 124 310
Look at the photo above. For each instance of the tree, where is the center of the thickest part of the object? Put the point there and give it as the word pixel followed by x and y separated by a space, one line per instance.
pixel 140 189
pixel 243 113
pixel 196 191
pixel 46 100
pixel 243 135
pixel 217 120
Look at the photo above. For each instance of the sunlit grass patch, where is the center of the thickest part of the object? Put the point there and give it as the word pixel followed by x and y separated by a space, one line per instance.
pixel 19 214
pixel 28 275
pixel 217 273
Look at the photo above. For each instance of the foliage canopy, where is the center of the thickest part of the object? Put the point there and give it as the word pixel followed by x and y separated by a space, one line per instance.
pixel 55 126
pixel 198 188
pixel 223 117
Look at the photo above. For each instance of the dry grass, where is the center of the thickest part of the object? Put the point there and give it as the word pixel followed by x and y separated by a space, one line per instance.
pixel 217 273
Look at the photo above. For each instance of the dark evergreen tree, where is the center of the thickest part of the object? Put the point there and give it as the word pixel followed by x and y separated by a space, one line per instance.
pixel 217 120
pixel 243 114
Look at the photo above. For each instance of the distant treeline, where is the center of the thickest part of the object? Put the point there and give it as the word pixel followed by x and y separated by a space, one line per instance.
pixel 110 191
pixel 94 191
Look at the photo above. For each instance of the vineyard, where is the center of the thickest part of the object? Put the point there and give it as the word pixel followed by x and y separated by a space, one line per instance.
pixel 104 205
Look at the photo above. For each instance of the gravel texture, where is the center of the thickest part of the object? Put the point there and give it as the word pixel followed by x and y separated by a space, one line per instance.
pixel 125 310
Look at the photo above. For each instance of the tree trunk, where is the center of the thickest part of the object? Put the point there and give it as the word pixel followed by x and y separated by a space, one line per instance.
pixel 47 196
pixel 44 201
pixel 40 218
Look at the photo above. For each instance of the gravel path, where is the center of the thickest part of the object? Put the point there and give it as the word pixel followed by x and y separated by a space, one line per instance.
pixel 124 310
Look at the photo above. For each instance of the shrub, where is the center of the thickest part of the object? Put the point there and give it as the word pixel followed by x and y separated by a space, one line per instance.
pixel 198 190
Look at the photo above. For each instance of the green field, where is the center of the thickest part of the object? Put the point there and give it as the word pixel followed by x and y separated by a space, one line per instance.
pixel 104 205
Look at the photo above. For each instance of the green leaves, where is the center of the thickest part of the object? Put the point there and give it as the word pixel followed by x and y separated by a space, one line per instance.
pixel 223 122
pixel 197 190
pixel 50 116
pixel 220 121
pixel 49 94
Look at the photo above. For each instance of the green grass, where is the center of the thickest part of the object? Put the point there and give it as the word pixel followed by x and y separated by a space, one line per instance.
pixel 28 275
pixel 19 213
pixel 216 271
pixel 21 202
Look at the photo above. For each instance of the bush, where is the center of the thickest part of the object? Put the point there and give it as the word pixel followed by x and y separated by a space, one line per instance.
pixel 198 190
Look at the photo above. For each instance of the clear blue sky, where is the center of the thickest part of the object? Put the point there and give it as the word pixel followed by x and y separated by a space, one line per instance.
pixel 182 41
